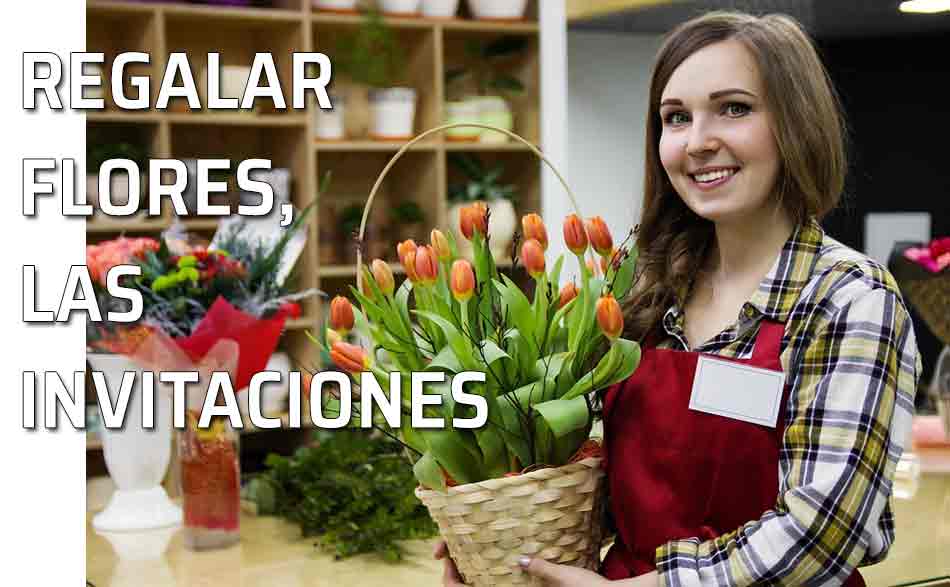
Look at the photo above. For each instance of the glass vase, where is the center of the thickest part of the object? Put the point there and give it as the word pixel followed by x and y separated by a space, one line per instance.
pixel 210 483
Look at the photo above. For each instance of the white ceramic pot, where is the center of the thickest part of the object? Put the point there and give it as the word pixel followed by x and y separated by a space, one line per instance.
pixel 498 9
pixel 335 5
pixel 440 8
pixel 331 123
pixel 392 113
pixel 398 7
pixel 459 113
pixel 136 457
pixel 501 229
pixel 231 82
pixel 494 111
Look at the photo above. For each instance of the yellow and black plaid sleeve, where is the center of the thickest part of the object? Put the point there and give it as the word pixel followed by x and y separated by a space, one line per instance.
pixel 852 363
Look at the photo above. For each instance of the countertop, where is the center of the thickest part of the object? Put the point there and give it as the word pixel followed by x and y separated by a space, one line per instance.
pixel 272 552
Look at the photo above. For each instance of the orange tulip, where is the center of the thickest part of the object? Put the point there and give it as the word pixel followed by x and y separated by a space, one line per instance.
pixel 532 255
pixel 568 293
pixel 440 244
pixel 407 256
pixel 473 217
pixel 463 280
pixel 341 315
pixel 592 267
pixel 427 266
pixel 383 275
pixel 603 265
pixel 600 237
pixel 575 237
pixel 533 227
pixel 609 316
pixel 349 357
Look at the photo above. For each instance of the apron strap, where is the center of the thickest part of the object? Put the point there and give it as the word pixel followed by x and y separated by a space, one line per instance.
pixel 768 342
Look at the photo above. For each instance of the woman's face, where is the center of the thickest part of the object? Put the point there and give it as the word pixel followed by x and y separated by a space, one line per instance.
pixel 717 145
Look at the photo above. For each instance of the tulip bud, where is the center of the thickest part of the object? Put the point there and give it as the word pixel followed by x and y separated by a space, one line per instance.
pixel 333 337
pixel 440 244
pixel 427 266
pixel 603 265
pixel 341 315
pixel 532 255
pixel 473 217
pixel 349 357
pixel 575 237
pixel 600 237
pixel 568 293
pixel 533 227
pixel 609 316
pixel 591 266
pixel 463 280
pixel 383 276
pixel 407 256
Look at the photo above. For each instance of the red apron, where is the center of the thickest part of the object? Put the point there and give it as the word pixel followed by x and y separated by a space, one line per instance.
pixel 677 473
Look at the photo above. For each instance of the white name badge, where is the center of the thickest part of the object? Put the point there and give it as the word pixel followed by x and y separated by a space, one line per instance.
pixel 737 391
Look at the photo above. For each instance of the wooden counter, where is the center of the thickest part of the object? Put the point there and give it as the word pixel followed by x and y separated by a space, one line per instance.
pixel 272 553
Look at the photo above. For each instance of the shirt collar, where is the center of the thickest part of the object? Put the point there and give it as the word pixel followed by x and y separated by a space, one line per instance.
pixel 780 288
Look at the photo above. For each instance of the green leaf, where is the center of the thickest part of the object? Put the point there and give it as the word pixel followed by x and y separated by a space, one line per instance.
pixel 625 274
pixel 428 472
pixel 460 345
pixel 564 415
pixel 455 453
pixel 445 361
pixel 616 365
pixel 518 309
pixel 507 83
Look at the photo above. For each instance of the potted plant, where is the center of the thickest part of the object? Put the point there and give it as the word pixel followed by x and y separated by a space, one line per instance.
pixel 99 153
pixel 373 56
pixel 406 218
pixel 504 10
pixel 440 8
pixel 399 7
pixel 483 185
pixel 484 71
pixel 344 6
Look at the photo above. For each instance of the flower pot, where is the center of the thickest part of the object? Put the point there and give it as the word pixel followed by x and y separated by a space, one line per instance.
pixel 461 112
pixel 231 82
pixel 331 123
pixel 501 229
pixel 494 111
pixel 398 7
pixel 552 513
pixel 440 8
pixel 498 9
pixel 119 188
pixel 335 5
pixel 392 113
pixel 136 457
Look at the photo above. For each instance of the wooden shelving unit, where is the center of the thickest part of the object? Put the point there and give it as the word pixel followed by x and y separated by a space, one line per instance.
pixel 423 175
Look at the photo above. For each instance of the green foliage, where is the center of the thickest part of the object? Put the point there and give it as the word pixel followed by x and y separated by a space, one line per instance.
pixel 406 212
pixel 371 55
pixel 351 489
pixel 482 184
pixel 485 64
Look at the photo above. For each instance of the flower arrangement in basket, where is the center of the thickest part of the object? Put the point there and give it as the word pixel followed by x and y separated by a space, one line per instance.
pixel 210 307
pixel 529 482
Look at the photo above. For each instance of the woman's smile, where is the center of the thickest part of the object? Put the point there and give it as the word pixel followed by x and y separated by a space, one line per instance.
pixel 710 178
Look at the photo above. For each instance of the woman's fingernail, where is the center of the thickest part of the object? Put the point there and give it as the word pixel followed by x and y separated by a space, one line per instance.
pixel 524 562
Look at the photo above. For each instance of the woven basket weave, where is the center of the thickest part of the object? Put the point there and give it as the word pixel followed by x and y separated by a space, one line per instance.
pixel 553 513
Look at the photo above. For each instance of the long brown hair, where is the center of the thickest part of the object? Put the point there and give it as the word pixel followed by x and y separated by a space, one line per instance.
pixel 808 127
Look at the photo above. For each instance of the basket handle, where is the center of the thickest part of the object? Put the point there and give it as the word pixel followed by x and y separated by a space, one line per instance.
pixel 402 150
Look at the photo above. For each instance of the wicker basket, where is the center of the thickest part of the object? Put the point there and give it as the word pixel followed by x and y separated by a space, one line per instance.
pixel 552 513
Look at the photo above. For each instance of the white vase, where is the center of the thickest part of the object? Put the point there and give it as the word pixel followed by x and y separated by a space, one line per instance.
pixel 331 123
pixel 335 5
pixel 136 457
pixel 231 82
pixel 392 113
pixel 494 111
pixel 398 7
pixel 502 224
pixel 459 113
pixel 440 8
pixel 498 9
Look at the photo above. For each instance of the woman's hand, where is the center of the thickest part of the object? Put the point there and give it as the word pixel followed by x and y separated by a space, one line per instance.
pixel 561 575
pixel 450 573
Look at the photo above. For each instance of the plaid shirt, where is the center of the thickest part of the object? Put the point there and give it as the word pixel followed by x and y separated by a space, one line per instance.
pixel 852 365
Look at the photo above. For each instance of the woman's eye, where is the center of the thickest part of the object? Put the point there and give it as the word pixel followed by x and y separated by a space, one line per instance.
pixel 676 118
pixel 736 109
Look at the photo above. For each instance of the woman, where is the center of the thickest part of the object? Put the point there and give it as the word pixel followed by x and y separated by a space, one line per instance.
pixel 722 471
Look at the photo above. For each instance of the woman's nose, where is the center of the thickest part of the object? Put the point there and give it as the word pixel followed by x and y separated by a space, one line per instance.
pixel 702 139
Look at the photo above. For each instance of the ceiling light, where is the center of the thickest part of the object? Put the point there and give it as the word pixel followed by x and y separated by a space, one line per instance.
pixel 925 6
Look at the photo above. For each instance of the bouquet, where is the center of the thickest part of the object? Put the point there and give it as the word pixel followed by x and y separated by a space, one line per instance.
pixel 542 356
pixel 218 306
